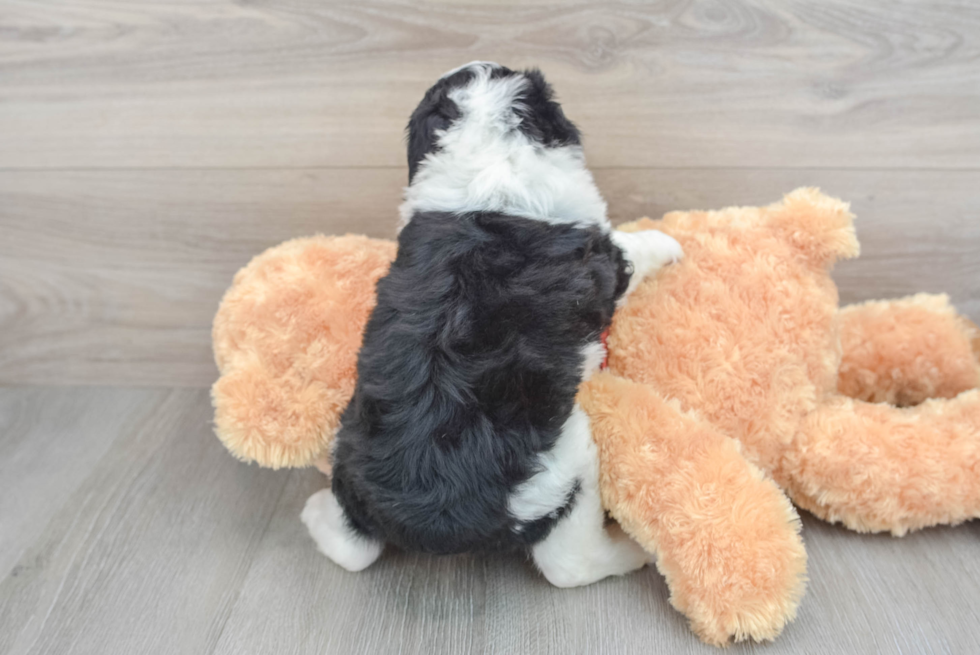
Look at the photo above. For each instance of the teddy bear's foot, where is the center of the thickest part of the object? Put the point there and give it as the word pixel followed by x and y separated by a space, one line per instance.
pixel 905 351
pixel 324 518
pixel 877 468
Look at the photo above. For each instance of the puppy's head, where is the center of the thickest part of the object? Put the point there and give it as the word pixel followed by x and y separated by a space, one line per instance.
pixel 487 138
pixel 490 102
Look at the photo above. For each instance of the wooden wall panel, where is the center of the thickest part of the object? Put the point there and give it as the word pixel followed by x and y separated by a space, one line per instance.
pixel 113 276
pixel 289 83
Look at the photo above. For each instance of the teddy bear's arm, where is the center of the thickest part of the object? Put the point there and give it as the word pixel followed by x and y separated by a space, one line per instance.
pixel 726 538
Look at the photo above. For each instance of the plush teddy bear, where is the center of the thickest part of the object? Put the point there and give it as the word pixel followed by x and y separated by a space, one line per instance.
pixel 732 378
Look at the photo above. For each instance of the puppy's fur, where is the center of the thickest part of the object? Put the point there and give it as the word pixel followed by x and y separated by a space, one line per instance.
pixel 463 433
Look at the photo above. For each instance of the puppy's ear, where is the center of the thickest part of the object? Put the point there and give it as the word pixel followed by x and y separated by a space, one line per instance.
pixel 542 118
pixel 435 113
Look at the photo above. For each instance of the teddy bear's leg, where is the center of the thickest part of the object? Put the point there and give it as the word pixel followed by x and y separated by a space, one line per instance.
pixel 579 550
pixel 324 518
pixel 648 251
pixel 875 467
pixel 726 537
pixel 904 351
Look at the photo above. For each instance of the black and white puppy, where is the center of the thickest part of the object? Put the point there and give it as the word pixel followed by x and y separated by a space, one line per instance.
pixel 463 433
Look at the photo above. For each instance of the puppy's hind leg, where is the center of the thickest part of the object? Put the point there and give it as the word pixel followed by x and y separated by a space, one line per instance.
pixel 325 519
pixel 579 550
pixel 648 251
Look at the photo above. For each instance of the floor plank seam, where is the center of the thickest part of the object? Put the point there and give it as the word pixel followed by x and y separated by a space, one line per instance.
pixel 248 569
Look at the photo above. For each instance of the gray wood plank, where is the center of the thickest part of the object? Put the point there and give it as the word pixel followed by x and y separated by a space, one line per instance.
pixel 51 441
pixel 146 555
pixel 113 277
pixel 170 546
pixel 867 594
pixel 414 603
pixel 880 594
pixel 290 83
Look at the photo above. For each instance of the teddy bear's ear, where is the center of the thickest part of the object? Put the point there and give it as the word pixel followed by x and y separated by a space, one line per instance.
pixel 820 227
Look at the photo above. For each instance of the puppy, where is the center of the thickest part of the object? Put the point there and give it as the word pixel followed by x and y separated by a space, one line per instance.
pixel 463 433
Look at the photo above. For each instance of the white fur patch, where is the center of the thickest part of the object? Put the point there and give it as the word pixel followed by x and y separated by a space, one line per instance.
pixel 578 550
pixel 594 355
pixel 484 163
pixel 559 469
pixel 324 518
pixel 648 251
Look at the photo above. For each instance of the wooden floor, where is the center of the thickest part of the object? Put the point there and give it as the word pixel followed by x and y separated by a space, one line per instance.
pixel 128 529
pixel 149 149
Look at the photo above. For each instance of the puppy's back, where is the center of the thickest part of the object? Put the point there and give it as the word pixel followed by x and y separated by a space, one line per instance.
pixel 469 368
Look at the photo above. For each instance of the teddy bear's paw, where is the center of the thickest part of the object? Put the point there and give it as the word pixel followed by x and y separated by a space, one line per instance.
pixel 758 624
pixel 324 518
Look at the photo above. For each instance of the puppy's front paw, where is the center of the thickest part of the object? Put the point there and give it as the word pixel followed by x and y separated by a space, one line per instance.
pixel 658 249
pixel 647 252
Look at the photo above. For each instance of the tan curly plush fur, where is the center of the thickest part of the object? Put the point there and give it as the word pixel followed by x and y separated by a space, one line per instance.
pixel 286 339
pixel 745 334
pixel 734 380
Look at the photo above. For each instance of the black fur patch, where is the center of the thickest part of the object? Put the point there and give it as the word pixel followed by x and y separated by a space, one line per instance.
pixel 534 531
pixel 469 368
pixel 435 112
pixel 542 118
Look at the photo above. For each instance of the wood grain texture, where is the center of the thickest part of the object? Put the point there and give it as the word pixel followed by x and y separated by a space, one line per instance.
pixel 150 149
pixel 867 595
pixel 147 554
pixel 115 276
pixel 110 277
pixel 164 544
pixel 291 83
pixel 50 442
